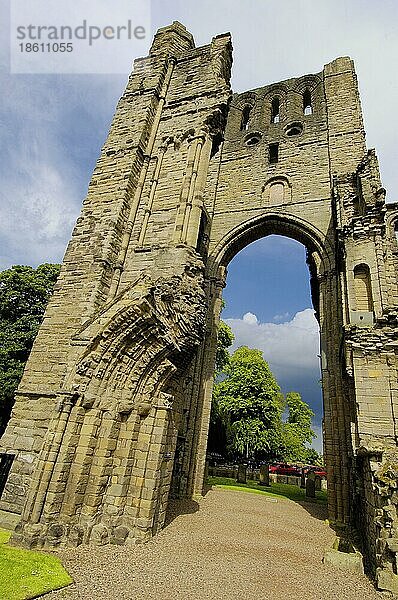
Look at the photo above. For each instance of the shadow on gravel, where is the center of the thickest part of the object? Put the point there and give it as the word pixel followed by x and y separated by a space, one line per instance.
pixel 206 488
pixel 318 511
pixel 180 507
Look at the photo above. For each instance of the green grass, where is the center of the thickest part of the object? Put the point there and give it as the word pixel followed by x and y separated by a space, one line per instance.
pixel 278 490
pixel 26 574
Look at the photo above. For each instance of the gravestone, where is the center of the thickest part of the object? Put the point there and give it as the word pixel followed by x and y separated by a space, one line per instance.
pixel 264 475
pixel 310 485
pixel 302 482
pixel 242 474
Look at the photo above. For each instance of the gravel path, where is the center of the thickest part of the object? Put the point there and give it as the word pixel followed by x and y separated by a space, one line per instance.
pixel 236 546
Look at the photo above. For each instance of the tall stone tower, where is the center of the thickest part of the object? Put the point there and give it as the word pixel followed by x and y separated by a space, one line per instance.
pixel 112 413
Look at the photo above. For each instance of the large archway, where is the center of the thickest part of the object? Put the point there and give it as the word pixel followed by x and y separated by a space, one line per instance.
pixel 268 306
pixel 326 300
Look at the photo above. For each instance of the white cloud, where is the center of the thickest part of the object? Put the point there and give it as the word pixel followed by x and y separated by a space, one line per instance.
pixel 48 132
pixel 290 347
pixel 250 318
pixel 39 196
pixel 281 318
pixel 92 52
pixel 38 212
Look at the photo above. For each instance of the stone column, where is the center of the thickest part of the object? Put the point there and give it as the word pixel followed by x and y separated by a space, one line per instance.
pixel 201 398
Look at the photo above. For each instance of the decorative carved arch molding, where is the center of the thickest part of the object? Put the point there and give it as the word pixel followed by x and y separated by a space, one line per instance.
pixel 309 82
pixel 392 225
pixel 103 484
pixel 273 223
pixel 320 253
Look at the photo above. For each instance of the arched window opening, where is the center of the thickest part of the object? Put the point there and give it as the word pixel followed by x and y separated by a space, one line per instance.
pixel 203 238
pixel 275 110
pixel 358 206
pixel 217 141
pixel 244 126
pixel 307 102
pixel 363 289
pixel 277 192
pixel 396 230
pixel 269 297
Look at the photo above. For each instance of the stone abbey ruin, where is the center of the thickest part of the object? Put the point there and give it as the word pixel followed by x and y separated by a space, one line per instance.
pixel 112 414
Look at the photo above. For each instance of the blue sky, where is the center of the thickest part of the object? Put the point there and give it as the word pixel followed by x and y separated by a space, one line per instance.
pixel 53 126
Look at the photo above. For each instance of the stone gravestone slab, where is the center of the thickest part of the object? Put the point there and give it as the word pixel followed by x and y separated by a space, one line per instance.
pixel 264 475
pixel 318 485
pixel 242 474
pixel 310 485
pixel 302 479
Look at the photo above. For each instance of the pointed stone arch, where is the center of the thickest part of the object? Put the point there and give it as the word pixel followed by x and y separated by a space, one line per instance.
pixel 288 225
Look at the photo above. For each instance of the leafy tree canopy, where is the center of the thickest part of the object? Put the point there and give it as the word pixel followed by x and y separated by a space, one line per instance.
pixel 250 401
pixel 250 389
pixel 24 293
pixel 297 432
pixel 225 339
pixel 313 457
pixel 248 409
pixel 217 433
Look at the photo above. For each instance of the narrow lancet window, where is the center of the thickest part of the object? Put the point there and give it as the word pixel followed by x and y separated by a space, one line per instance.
pixel 273 150
pixel 275 110
pixel 202 241
pixel 307 102
pixel 244 126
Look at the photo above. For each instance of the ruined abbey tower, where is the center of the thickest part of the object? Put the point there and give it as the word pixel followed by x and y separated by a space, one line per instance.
pixel 112 413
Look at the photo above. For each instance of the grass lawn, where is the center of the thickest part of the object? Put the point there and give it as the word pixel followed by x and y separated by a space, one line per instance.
pixel 281 490
pixel 27 574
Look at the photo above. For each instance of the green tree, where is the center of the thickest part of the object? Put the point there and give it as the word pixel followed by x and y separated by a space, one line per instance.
pixel 217 429
pixel 251 405
pixel 24 293
pixel 225 339
pixel 312 457
pixel 296 431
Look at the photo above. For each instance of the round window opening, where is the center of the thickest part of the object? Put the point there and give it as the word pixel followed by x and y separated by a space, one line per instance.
pixel 252 139
pixel 294 129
